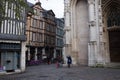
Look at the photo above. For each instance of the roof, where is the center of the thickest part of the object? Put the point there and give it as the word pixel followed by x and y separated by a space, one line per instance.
pixel 30 4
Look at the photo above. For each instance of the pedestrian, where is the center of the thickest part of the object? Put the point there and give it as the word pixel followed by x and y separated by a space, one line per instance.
pixel 48 60
pixel 58 61
pixel 69 61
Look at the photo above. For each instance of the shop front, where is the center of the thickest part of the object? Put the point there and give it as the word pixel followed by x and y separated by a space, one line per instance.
pixel 9 57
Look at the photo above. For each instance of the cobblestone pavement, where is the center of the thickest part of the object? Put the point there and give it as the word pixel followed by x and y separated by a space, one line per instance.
pixel 50 72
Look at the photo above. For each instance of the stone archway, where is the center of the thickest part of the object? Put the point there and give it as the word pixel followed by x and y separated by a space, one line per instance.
pixel 80 30
pixel 111 21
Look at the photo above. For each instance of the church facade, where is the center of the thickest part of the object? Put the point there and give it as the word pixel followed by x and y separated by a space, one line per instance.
pixel 92 32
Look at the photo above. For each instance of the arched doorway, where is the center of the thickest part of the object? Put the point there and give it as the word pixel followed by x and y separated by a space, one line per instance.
pixel 111 21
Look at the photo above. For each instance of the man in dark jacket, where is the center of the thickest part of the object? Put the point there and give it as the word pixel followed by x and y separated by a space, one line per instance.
pixel 69 61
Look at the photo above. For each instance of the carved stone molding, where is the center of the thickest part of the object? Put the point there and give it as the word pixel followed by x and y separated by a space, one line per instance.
pixel 92 23
pixel 67 28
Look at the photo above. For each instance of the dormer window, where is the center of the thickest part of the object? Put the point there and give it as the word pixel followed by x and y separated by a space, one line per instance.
pixel 35 11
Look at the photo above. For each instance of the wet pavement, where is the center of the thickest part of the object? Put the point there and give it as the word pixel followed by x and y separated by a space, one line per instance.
pixel 50 72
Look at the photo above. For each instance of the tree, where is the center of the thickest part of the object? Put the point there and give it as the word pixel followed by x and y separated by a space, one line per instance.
pixel 20 5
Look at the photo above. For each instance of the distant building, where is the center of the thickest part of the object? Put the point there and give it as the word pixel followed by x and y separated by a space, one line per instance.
pixel 12 41
pixel 49 33
pixel 59 36
pixel 41 31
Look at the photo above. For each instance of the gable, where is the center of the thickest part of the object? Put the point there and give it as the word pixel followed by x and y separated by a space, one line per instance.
pixel 51 12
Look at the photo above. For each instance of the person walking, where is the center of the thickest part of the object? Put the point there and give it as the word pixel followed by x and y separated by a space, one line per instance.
pixel 69 61
pixel 48 60
pixel 58 61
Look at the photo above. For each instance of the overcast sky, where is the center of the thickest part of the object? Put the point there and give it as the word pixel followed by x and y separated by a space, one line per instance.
pixel 56 5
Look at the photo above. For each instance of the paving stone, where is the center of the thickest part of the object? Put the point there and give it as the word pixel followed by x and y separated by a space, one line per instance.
pixel 50 72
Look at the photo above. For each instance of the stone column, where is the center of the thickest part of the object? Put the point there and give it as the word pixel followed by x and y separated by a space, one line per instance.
pixel 22 58
pixel 54 56
pixel 67 29
pixel 43 53
pixel 36 51
pixel 91 10
pixel 90 55
pixel 92 45
pixel 28 53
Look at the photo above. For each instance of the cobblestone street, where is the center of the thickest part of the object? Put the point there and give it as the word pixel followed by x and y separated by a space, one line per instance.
pixel 50 72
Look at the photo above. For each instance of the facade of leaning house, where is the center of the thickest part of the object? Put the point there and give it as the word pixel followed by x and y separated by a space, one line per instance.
pixel 34 32
pixel 12 41
pixel 41 34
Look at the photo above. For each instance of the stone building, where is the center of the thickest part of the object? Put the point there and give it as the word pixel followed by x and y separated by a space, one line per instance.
pixel 92 31
pixel 41 32
pixel 12 40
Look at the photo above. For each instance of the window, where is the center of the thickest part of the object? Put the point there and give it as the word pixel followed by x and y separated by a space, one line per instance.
pixel 35 11
pixel 113 19
pixel 15 13
pixel 9 46
pixel 39 37
pixel 34 23
pixel 12 11
pixel 16 29
pixel 41 24
pixel 5 27
pixel 21 28
pixel 31 22
pixel 45 38
pixel 48 39
pixel 9 11
pixel 54 29
pixel 57 31
pixel 18 59
pixel 41 14
pixel 48 27
pixel 58 22
pixel 6 10
pixel 0 26
pixel 33 36
pixel 11 25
